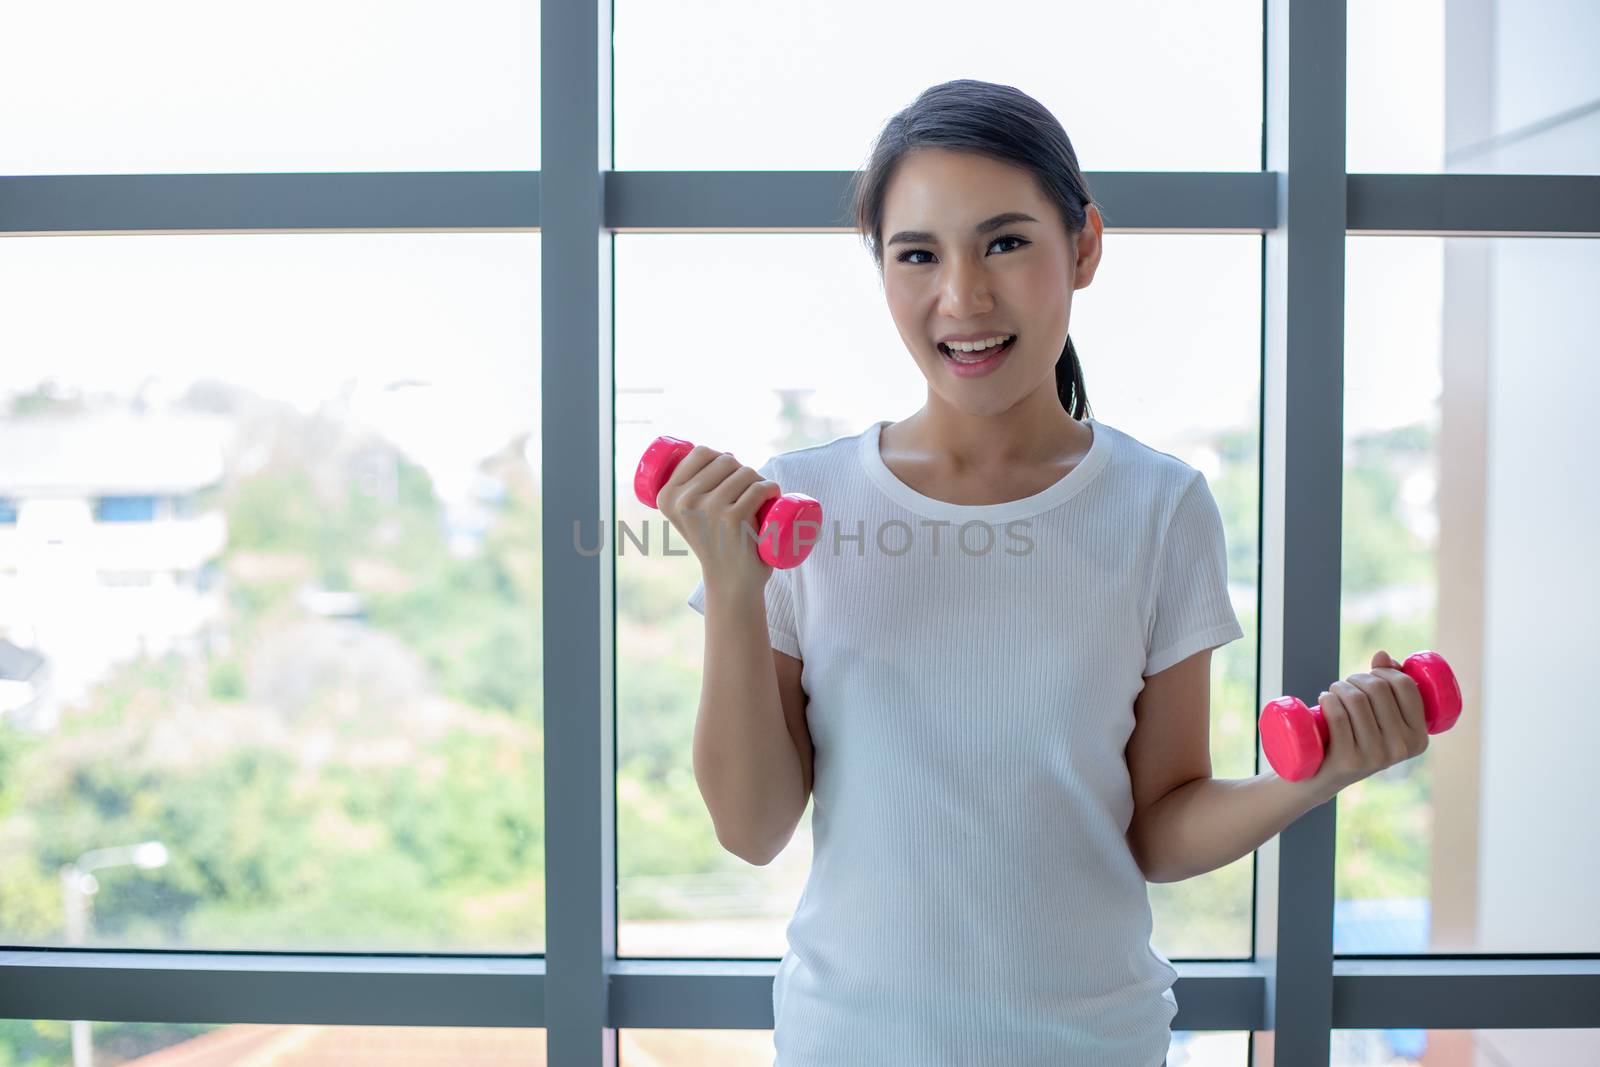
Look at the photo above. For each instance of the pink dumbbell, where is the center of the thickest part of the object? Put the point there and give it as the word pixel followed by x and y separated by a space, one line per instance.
pixel 1295 736
pixel 778 520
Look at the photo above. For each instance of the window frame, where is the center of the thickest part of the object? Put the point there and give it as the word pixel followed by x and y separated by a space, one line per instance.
pixel 1302 202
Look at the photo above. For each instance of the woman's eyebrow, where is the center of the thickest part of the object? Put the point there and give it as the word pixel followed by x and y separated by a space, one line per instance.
pixel 981 228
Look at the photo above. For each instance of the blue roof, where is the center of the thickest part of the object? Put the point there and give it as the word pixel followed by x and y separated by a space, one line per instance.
pixel 1392 926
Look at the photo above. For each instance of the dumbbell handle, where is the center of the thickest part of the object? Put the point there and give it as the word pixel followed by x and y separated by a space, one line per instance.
pixel 1295 737
pixel 783 517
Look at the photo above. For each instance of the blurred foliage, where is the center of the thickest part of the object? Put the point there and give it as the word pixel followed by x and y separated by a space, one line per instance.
pixel 226 680
pixel 47 1043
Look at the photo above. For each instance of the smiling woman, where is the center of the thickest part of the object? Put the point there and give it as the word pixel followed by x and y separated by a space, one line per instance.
pixel 943 184
pixel 931 917
pixel 992 230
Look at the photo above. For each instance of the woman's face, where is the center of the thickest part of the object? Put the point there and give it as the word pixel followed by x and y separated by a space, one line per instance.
pixel 943 277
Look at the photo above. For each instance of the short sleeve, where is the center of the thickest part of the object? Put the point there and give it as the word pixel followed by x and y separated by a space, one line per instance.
pixel 1190 609
pixel 782 629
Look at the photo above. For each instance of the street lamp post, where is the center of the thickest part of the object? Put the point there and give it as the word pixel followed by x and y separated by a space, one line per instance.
pixel 78 884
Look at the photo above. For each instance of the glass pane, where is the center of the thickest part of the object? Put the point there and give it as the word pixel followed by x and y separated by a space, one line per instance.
pixel 47 1043
pixel 1473 88
pixel 772 387
pixel 1470 505
pixel 186 86
pixel 1463 1048
pixel 1154 85
pixel 695 1048
pixel 755 1048
pixel 298 707
pixel 1209 1048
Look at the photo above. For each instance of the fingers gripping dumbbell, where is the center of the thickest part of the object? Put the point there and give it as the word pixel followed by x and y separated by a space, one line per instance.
pixel 778 521
pixel 1295 736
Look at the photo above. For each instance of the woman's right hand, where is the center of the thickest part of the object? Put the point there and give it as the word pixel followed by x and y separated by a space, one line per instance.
pixel 711 499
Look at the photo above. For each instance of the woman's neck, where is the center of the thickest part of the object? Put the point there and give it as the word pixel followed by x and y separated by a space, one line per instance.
pixel 961 443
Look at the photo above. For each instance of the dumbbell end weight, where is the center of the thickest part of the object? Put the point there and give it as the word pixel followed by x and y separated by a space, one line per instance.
pixel 656 466
pixel 1441 696
pixel 782 523
pixel 1295 737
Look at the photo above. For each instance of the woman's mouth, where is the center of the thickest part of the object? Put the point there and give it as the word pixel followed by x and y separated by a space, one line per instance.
pixel 972 364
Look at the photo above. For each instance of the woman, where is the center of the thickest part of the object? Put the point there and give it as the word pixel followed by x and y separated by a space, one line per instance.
pixel 993 670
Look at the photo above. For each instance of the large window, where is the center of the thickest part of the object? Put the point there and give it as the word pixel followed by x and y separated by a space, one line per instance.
pixel 333 742
pixel 190 87
pixel 1474 87
pixel 327 333
pixel 806 87
pixel 1469 497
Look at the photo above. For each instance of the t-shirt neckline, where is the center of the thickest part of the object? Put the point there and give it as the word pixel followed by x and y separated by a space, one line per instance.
pixel 1051 496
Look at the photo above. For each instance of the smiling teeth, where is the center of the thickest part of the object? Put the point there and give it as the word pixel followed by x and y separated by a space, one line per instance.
pixel 976 351
pixel 978 346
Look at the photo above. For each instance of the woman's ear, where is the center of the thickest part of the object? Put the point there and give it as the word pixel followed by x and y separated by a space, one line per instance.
pixel 1088 247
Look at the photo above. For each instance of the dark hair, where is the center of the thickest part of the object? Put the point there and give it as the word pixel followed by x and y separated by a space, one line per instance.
pixel 998 121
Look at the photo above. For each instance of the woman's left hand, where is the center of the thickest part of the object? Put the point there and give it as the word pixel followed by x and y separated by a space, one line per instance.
pixel 1375 720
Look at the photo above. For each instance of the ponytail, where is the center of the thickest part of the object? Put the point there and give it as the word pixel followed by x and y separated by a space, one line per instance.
pixel 1069 383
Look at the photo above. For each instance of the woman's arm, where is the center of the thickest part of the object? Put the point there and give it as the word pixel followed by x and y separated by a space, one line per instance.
pixel 1210 822
pixel 751 775
pixel 1186 823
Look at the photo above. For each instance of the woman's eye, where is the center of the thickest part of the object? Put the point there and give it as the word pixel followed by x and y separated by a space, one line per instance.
pixel 904 257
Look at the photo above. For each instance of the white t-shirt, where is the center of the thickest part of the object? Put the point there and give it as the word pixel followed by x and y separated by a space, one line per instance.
pixel 972 897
